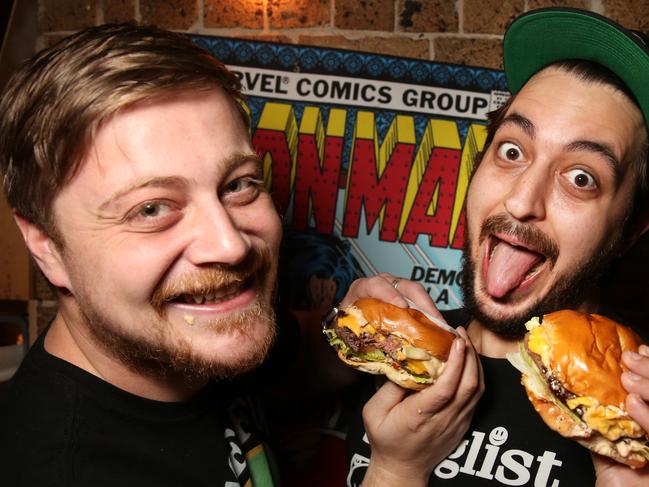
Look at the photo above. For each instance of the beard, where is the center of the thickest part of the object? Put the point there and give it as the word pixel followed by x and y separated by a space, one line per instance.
pixel 161 354
pixel 571 289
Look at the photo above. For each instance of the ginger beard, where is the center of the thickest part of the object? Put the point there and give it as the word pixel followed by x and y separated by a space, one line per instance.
pixel 162 353
pixel 570 289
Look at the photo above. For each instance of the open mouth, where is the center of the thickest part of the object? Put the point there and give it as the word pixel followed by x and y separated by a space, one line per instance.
pixel 212 296
pixel 510 265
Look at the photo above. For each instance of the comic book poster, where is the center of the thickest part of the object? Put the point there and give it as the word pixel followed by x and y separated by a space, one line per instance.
pixel 367 158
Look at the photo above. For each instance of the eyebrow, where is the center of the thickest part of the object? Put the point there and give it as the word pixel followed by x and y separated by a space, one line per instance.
pixel 157 182
pixel 524 123
pixel 177 182
pixel 602 149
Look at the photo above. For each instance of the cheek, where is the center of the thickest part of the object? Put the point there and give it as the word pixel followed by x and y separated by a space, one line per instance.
pixel 264 222
pixel 129 270
pixel 480 200
pixel 579 232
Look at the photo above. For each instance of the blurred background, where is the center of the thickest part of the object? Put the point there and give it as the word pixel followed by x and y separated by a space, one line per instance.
pixel 455 31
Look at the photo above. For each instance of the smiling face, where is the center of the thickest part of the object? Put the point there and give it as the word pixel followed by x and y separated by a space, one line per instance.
pixel 170 241
pixel 547 204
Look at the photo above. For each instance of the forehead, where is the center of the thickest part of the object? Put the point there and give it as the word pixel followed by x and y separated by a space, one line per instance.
pixel 194 135
pixel 565 106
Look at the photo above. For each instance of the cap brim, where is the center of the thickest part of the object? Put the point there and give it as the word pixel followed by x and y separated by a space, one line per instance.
pixel 542 37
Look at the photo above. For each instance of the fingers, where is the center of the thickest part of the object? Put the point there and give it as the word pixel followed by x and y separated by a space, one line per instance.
pixel 382 286
pixel 638 409
pixel 461 383
pixel 382 402
pixel 473 367
pixel 636 382
pixel 433 398
pixel 471 384
pixel 378 287
pixel 418 295
pixel 636 379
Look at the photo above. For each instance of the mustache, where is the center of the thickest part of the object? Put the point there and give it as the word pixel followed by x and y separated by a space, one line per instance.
pixel 214 277
pixel 527 233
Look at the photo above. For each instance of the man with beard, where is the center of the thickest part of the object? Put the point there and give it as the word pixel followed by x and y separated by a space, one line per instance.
pixel 126 158
pixel 559 191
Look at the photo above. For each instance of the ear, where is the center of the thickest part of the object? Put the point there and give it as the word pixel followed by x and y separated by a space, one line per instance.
pixel 45 252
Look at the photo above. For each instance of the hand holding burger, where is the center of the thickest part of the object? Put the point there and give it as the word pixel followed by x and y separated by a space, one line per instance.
pixel 381 338
pixel 572 366
pixel 411 432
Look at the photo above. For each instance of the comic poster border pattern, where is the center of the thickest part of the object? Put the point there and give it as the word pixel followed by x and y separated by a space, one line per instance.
pixel 329 61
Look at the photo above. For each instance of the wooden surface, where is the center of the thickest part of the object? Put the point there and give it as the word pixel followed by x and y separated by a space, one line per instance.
pixel 15 266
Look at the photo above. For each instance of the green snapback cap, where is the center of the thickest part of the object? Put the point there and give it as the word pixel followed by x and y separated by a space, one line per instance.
pixel 541 37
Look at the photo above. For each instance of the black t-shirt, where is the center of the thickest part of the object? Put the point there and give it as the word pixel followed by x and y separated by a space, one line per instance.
pixel 61 426
pixel 506 444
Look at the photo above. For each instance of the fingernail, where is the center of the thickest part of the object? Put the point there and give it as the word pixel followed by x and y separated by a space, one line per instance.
pixel 633 397
pixel 632 376
pixel 644 350
pixel 633 355
pixel 459 344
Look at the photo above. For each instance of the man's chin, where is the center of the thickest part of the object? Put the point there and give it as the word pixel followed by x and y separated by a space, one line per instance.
pixel 506 319
pixel 227 355
pixel 226 362
pixel 218 350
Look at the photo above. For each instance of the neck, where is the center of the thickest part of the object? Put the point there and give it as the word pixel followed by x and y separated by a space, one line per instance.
pixel 69 339
pixel 489 344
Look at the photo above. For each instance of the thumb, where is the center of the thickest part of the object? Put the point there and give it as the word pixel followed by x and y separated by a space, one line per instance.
pixel 382 402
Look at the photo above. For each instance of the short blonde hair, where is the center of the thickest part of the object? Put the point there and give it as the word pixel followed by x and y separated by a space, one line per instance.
pixel 54 103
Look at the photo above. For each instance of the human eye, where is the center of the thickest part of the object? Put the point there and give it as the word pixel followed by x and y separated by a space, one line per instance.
pixel 153 215
pixel 508 151
pixel 581 179
pixel 243 190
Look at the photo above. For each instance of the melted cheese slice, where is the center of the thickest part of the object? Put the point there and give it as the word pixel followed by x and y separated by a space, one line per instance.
pixel 355 321
pixel 417 366
pixel 611 422
pixel 537 342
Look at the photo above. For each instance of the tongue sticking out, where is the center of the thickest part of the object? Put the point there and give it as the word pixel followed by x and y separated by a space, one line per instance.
pixel 508 267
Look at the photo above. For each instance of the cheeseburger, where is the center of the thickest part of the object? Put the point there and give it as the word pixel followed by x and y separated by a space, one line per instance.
pixel 400 343
pixel 571 364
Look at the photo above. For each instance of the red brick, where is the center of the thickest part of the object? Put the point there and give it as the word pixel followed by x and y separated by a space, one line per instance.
pixel 119 10
pixel 633 15
pixel 490 16
pixel 170 14
pixel 234 13
pixel 286 14
pixel 365 14
pixel 427 16
pixel 486 53
pixel 534 4
pixel 55 15
pixel 394 46
pixel 267 38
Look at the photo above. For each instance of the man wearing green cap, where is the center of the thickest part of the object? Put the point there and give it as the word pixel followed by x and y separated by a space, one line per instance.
pixel 559 191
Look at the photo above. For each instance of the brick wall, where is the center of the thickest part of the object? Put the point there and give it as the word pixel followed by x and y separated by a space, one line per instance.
pixel 456 31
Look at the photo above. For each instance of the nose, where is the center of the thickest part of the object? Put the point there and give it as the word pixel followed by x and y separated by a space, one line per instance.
pixel 526 199
pixel 216 237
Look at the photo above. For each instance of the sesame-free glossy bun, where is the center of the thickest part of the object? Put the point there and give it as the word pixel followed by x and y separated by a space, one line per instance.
pixel 586 354
pixel 411 324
